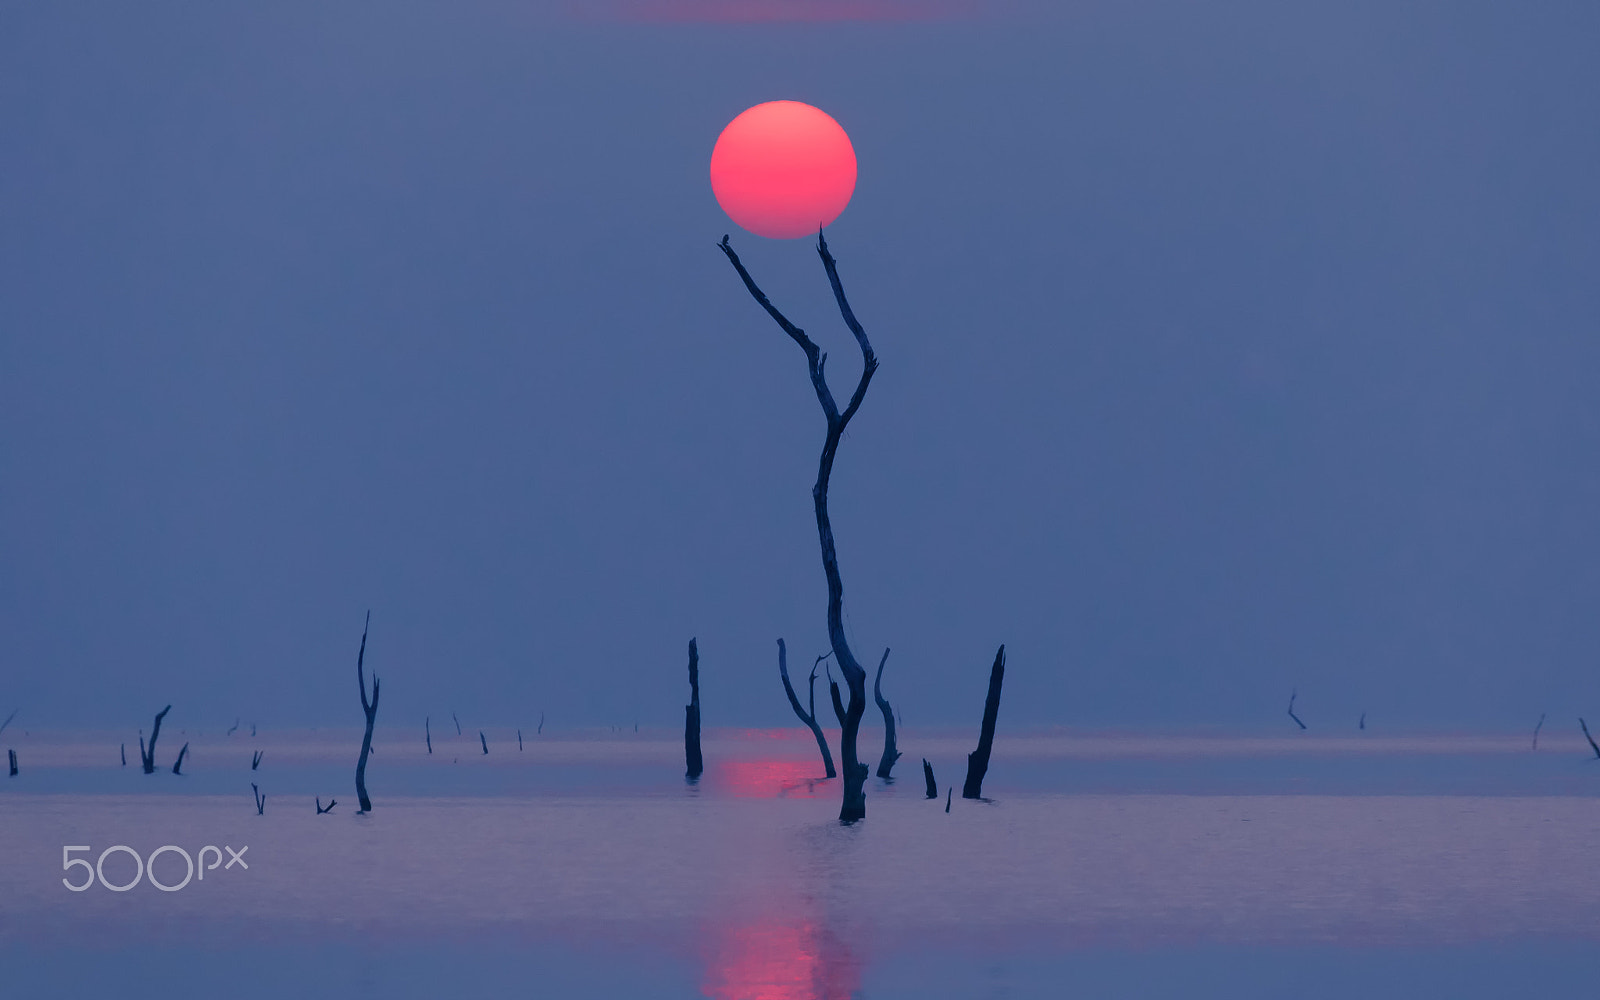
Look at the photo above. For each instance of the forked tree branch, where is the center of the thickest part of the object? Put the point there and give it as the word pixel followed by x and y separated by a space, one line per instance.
pixel 809 718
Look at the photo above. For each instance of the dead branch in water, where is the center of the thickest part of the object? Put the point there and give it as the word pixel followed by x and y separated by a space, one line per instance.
pixel 891 754
pixel 123 748
pixel 1536 731
pixel 978 760
pixel 11 758
pixel 331 804
pixel 457 722
pixel 261 800
pixel 427 732
pixel 6 723
pixel 927 776
pixel 177 767
pixel 370 708
pixel 1293 716
pixel 809 718
pixel 1586 736
pixel 694 763
pixel 484 742
pixel 255 759
pixel 149 756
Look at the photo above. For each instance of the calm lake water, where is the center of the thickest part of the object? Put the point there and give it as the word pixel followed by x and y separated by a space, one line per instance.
pixel 584 865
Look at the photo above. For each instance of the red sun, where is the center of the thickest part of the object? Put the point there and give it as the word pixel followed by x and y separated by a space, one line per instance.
pixel 783 169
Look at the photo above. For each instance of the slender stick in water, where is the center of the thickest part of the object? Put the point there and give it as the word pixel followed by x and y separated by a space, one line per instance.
pixel 371 710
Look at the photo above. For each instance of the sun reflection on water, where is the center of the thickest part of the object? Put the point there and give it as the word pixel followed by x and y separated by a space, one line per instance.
pixel 776 958
pixel 770 779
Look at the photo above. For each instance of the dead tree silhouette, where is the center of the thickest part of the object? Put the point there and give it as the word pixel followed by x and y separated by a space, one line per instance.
pixel 854 804
pixel 371 710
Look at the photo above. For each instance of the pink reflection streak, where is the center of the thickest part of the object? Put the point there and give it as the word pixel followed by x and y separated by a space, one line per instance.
pixel 776 958
pixel 770 779
pixel 758 11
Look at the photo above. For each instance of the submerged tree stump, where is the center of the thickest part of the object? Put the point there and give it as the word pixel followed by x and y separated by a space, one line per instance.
pixel 694 764
pixel 978 760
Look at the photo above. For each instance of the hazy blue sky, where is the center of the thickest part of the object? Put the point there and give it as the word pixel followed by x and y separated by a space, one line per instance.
pixel 1226 348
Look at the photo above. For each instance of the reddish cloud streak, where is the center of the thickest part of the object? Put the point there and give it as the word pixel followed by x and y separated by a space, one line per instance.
pixel 764 11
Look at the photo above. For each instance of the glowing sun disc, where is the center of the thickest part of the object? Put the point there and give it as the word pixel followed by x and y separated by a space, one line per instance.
pixel 783 169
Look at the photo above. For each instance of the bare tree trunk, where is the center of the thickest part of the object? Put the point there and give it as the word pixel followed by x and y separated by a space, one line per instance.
pixel 978 760
pixel 371 710
pixel 485 743
pixel 177 767
pixel 809 718
pixel 11 758
pixel 691 718
pixel 149 756
pixel 927 777
pixel 427 732
pixel 261 800
pixel 838 705
pixel 854 804
pixel 1592 744
pixel 890 752
pixel 124 748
